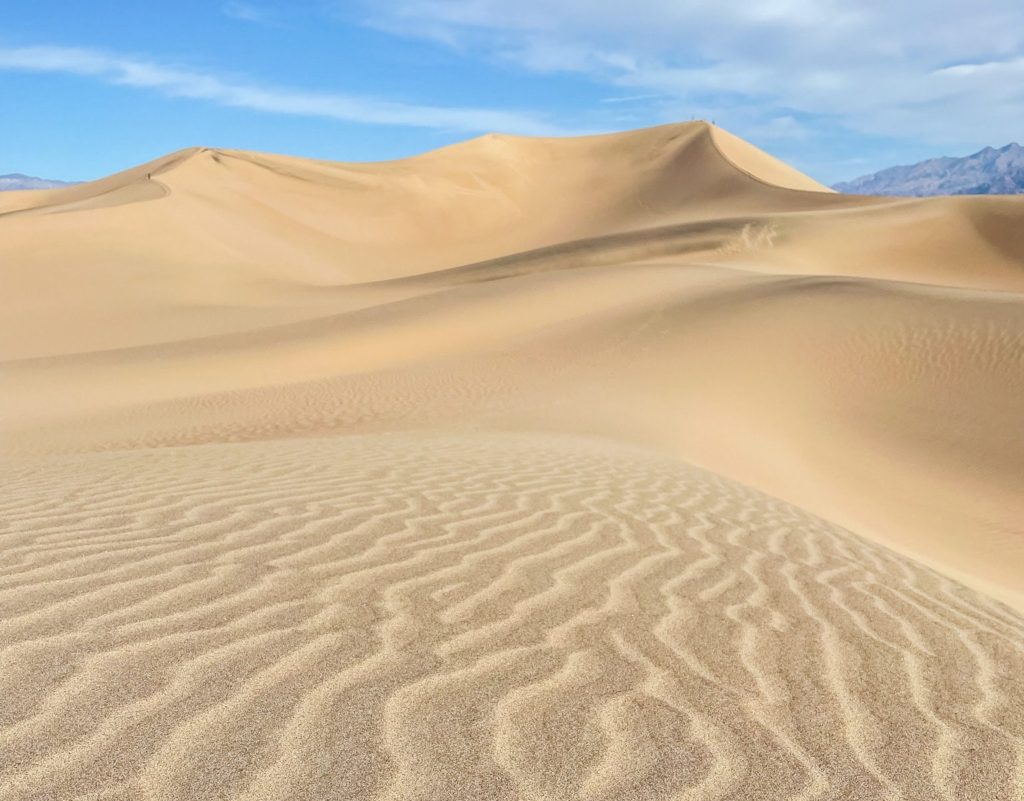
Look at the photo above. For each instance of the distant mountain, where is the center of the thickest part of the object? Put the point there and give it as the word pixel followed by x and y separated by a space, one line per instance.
pixel 987 172
pixel 16 180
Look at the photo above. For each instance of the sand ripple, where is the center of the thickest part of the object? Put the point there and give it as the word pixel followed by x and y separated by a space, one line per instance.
pixel 454 616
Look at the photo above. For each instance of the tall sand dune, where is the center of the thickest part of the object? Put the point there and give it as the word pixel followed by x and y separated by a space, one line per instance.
pixel 618 467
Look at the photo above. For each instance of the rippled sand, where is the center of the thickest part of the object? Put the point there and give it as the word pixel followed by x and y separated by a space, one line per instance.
pixel 616 468
pixel 494 616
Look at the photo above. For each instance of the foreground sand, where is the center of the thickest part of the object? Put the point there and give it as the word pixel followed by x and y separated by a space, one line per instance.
pixel 623 467
pixel 479 616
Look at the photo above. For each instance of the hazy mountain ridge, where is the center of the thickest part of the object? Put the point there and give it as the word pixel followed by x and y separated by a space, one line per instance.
pixel 17 180
pixel 990 171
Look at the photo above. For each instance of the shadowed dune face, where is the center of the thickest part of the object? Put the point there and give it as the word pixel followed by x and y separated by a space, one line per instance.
pixel 630 466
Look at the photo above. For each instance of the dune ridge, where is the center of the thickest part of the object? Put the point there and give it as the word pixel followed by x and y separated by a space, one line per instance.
pixel 628 466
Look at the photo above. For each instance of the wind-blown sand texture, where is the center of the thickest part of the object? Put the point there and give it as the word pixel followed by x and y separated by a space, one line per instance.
pixel 624 467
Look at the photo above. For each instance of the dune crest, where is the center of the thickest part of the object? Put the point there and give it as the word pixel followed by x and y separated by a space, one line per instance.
pixel 629 466
pixel 760 165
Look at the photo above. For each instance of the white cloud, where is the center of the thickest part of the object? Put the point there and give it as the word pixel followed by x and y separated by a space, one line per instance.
pixel 1010 69
pixel 931 70
pixel 247 12
pixel 785 127
pixel 629 98
pixel 187 83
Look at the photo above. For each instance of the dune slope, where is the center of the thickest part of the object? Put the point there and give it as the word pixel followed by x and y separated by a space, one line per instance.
pixel 628 466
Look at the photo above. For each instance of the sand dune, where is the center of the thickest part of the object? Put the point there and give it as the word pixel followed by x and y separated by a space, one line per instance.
pixel 628 466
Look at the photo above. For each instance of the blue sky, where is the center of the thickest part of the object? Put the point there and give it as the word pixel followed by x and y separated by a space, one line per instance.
pixel 838 88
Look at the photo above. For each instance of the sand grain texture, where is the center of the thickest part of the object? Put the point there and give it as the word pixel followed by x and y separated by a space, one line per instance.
pixel 636 466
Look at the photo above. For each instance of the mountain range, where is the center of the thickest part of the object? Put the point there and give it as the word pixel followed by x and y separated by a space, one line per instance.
pixel 17 180
pixel 990 171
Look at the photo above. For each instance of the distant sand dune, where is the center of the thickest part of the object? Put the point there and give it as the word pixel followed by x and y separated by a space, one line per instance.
pixel 620 467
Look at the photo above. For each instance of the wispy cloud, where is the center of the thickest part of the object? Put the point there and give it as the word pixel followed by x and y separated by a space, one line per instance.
pixel 868 66
pixel 181 82
pixel 630 98
pixel 248 12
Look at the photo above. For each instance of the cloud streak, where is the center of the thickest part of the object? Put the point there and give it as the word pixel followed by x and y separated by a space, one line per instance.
pixel 246 12
pixel 927 70
pixel 196 85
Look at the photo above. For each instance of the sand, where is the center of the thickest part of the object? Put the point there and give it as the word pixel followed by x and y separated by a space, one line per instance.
pixel 630 466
